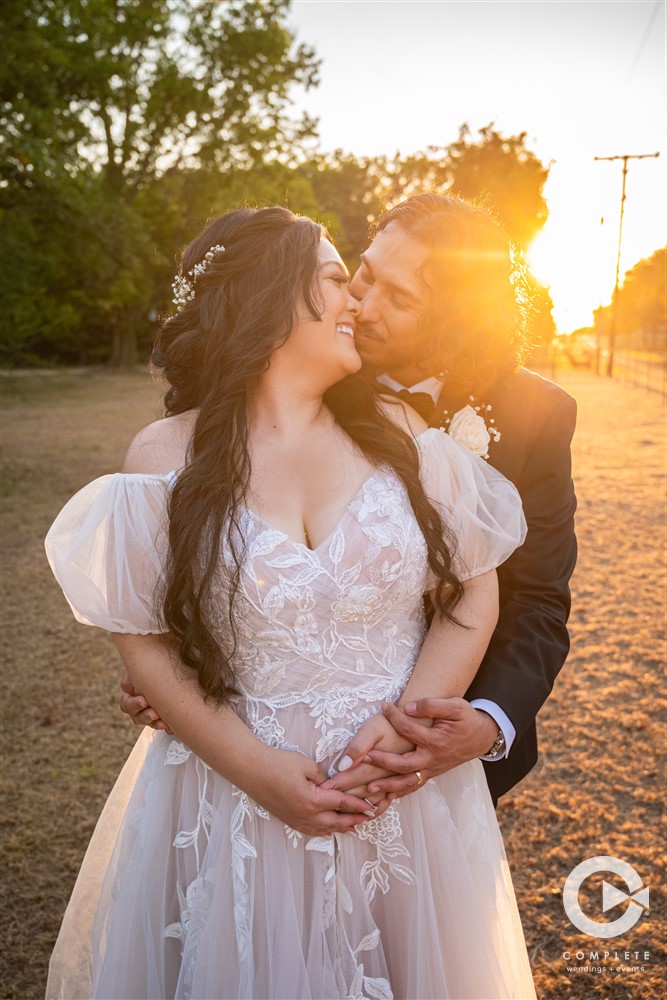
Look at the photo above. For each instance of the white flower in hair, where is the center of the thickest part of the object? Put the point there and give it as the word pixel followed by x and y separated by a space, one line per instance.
pixel 183 286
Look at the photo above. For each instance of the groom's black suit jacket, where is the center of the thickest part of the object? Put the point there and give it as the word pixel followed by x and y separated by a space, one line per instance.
pixel 530 643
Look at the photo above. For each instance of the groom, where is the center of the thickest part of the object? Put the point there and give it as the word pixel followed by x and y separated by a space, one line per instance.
pixel 440 322
pixel 442 315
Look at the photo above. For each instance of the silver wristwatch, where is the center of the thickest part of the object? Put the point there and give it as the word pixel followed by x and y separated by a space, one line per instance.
pixel 498 745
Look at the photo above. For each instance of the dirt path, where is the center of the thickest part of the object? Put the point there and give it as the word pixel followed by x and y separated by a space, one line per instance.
pixel 599 787
pixel 597 791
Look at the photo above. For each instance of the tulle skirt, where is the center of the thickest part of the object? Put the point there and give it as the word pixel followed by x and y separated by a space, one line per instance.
pixel 191 890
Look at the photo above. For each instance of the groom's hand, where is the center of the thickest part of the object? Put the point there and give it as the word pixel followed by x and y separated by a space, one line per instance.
pixel 353 775
pixel 459 733
pixel 136 706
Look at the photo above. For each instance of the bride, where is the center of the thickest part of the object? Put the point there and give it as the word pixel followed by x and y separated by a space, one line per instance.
pixel 261 561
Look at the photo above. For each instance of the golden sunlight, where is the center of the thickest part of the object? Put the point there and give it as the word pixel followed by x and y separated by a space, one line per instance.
pixel 579 276
pixel 543 259
pixel 575 254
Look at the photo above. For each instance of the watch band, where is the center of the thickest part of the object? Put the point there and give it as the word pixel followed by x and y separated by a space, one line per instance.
pixel 497 747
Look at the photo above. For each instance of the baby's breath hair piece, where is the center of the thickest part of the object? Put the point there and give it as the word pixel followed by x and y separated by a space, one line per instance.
pixel 183 286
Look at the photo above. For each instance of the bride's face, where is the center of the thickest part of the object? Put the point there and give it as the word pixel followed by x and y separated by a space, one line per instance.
pixel 324 347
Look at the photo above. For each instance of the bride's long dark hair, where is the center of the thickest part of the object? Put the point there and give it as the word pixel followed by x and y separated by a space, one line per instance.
pixel 211 351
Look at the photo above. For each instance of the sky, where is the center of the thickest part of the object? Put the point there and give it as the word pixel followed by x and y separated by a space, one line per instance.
pixel 581 79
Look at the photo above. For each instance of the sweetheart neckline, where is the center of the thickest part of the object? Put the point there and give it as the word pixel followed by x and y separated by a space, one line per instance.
pixel 327 539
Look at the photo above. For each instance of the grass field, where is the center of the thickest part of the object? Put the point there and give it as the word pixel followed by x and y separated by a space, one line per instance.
pixel 598 789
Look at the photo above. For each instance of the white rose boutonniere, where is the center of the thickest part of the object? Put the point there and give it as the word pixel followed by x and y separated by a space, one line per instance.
pixel 469 428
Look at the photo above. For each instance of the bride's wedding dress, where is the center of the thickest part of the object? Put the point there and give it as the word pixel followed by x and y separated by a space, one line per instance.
pixel 189 888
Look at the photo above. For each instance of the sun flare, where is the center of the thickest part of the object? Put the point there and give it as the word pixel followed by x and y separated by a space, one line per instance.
pixel 579 277
pixel 575 254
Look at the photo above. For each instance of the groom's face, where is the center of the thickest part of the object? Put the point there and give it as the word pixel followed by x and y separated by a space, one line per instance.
pixel 393 296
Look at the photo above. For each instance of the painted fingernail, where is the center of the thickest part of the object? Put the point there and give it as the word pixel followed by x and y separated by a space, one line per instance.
pixel 370 812
pixel 373 788
pixel 345 763
pixel 411 706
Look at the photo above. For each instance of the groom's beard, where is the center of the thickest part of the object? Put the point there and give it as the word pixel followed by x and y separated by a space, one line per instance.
pixel 377 356
pixel 372 348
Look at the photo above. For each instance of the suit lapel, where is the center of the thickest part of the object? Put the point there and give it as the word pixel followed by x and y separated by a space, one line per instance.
pixel 450 401
pixel 454 398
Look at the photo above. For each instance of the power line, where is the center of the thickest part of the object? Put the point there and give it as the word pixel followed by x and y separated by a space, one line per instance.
pixel 614 306
pixel 644 40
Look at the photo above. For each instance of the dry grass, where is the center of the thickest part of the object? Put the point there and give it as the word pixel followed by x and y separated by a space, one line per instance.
pixel 597 791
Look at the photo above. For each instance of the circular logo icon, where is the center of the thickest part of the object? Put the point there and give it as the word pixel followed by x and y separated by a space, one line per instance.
pixel 637 897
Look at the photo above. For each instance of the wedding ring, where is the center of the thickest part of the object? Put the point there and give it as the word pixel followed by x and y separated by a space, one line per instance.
pixel 371 804
pixel 420 778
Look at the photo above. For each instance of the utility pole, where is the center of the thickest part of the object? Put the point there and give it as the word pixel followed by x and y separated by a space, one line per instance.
pixel 612 329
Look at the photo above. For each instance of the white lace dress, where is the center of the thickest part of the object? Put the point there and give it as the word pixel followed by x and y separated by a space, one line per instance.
pixel 189 888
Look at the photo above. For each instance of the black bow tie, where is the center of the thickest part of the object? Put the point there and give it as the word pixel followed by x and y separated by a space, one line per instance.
pixel 422 402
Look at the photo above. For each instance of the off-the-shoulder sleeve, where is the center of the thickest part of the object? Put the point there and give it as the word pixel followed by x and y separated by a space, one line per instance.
pixel 107 549
pixel 480 505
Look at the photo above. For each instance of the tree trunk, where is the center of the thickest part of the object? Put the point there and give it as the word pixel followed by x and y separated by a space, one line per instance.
pixel 124 347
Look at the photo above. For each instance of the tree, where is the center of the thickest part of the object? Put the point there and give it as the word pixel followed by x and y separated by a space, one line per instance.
pixel 350 193
pixel 505 174
pixel 76 266
pixel 542 328
pixel 499 171
pixel 417 172
pixel 139 86
pixel 508 178
pixel 641 306
pixel 102 97
pixel 128 123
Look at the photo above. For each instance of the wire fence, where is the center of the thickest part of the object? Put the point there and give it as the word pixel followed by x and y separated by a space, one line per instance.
pixel 643 369
pixel 647 370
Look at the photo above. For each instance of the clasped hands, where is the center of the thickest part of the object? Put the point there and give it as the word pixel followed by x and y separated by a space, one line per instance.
pixel 391 755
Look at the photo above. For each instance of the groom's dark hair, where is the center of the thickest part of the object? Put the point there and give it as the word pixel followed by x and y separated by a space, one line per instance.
pixel 480 299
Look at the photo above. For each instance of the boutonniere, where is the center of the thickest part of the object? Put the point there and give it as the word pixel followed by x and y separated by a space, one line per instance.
pixel 472 426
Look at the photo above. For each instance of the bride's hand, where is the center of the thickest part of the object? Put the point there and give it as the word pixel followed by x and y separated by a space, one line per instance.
pixel 290 788
pixel 355 773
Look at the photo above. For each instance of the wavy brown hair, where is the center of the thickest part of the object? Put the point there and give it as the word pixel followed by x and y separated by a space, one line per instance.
pixel 212 352
pixel 481 302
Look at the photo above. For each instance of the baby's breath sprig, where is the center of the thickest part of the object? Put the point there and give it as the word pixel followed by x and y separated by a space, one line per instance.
pixel 183 286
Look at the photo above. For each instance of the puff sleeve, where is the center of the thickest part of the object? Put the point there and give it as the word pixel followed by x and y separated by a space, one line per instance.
pixel 482 507
pixel 107 549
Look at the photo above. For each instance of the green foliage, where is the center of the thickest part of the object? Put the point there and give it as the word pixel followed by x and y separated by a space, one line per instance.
pixel 641 307
pixel 140 86
pixel 497 171
pixel 350 193
pixel 108 108
pixel 643 298
pixel 76 264
pixel 128 123
pixel 503 173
